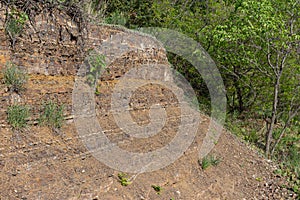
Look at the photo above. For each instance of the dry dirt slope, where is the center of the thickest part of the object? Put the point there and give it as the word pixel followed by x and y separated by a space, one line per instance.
pixel 41 164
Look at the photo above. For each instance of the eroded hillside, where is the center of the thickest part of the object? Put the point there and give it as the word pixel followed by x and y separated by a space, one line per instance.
pixel 41 162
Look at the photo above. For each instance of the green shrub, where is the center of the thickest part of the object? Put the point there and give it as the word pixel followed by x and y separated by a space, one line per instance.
pixel 117 18
pixel 14 78
pixel 17 115
pixel 52 115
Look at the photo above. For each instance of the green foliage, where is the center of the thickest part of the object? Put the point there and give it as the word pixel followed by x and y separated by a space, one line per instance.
pixel 116 18
pixel 208 161
pixel 17 116
pixel 252 137
pixel 245 128
pixel 157 188
pixel 123 179
pixel 15 23
pixel 188 71
pixel 96 63
pixel 52 115
pixel 292 177
pixel 14 78
pixel 95 10
pixel 288 152
pixel 136 12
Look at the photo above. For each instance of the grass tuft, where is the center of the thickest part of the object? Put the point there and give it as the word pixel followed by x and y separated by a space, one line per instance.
pixel 14 78
pixel 208 161
pixel 52 115
pixel 17 115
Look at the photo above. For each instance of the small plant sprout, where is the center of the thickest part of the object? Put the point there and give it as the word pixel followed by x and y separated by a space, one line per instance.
pixel 205 163
pixel 157 188
pixel 259 179
pixel 208 161
pixel 123 179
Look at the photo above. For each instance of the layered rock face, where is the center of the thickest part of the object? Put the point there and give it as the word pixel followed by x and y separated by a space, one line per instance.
pixel 51 49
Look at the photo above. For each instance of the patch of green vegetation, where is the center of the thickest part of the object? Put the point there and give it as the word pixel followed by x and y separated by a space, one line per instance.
pixel 117 18
pixel 15 23
pixel 96 63
pixel 52 115
pixel 123 179
pixel 208 161
pixel 14 78
pixel 291 176
pixel 157 188
pixel 17 115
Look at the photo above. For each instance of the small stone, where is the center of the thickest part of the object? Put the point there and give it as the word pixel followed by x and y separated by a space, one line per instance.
pixel 14 173
pixel 266 184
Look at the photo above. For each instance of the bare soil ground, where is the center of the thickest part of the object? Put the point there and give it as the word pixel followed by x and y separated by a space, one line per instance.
pixel 41 163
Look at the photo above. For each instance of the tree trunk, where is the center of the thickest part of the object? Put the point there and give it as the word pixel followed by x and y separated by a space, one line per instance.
pixel 240 102
pixel 274 115
pixel 287 124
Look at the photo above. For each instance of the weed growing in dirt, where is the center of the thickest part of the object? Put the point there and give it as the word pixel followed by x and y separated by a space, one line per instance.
pixel 96 63
pixel 204 163
pixel 157 188
pixel 208 161
pixel 17 115
pixel 123 179
pixel 52 115
pixel 14 78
